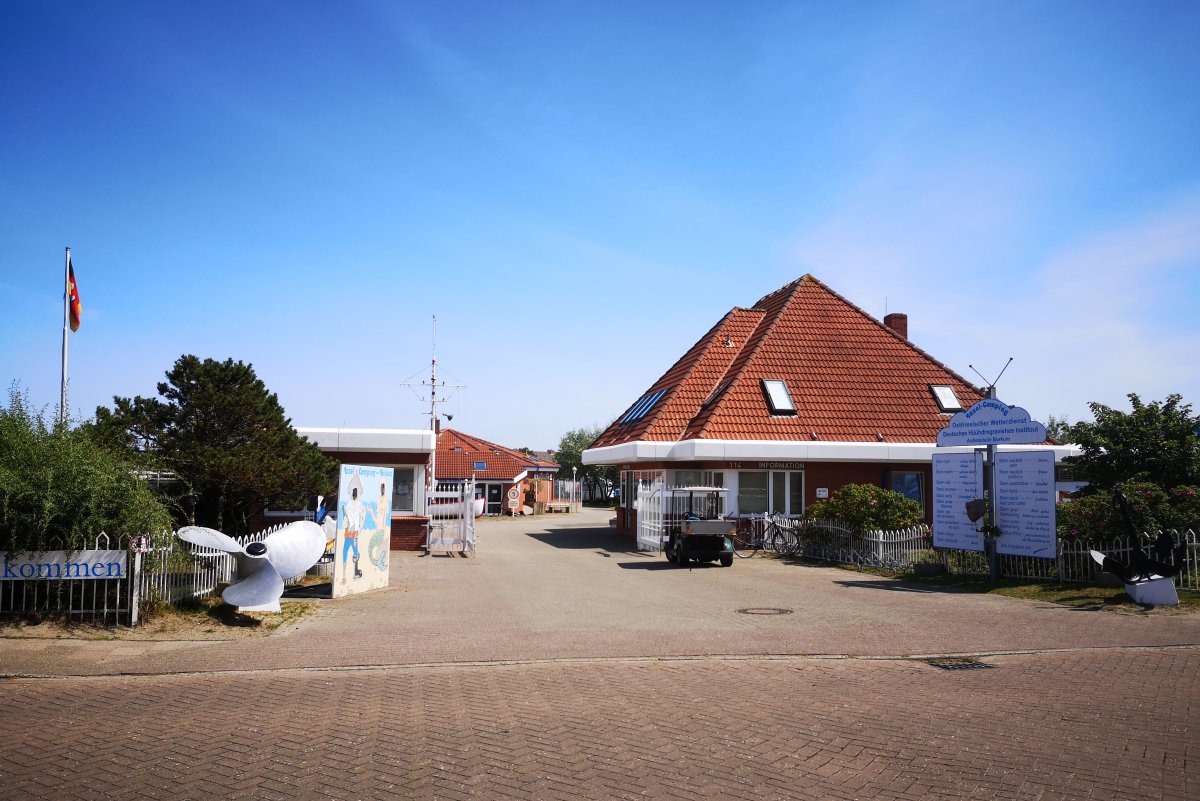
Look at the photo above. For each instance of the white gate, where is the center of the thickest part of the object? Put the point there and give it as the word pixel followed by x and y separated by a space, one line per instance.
pixel 650 505
pixel 451 509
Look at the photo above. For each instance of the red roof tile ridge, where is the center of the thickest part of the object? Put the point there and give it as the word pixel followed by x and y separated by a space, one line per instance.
pixel 673 380
pixel 758 336
pixel 896 336
pixel 483 445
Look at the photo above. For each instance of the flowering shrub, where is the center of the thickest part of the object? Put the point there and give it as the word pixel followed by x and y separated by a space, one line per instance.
pixel 867 508
pixel 1096 517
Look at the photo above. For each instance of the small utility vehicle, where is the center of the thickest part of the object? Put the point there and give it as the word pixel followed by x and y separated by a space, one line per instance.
pixel 695 527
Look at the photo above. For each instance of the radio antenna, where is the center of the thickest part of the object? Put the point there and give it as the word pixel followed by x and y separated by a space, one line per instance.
pixel 992 384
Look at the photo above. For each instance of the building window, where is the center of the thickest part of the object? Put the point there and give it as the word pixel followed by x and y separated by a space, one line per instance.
pixel 947 401
pixel 910 485
pixel 403 479
pixel 779 400
pixel 699 478
pixel 752 492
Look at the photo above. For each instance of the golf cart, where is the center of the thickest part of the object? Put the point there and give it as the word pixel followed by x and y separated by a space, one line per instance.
pixel 694 526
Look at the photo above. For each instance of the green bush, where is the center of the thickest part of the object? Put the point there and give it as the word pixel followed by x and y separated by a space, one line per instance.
pixel 59 483
pixel 868 508
pixel 1096 517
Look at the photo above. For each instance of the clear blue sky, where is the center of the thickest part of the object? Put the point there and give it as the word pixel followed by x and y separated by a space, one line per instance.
pixel 579 190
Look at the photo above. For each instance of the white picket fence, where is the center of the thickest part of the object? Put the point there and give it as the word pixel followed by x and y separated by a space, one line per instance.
pixel 101 600
pixel 173 573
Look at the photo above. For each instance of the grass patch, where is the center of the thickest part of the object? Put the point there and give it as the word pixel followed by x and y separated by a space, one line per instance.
pixel 199 619
pixel 1082 596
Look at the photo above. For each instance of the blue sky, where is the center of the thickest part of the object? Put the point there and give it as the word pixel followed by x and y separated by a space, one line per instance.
pixel 579 190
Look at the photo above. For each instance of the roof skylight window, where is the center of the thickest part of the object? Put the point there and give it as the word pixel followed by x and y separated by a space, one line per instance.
pixel 778 399
pixel 716 393
pixel 642 407
pixel 947 401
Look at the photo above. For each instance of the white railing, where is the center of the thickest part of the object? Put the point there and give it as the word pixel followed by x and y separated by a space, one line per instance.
pixel 452 527
pixel 835 541
pixel 101 600
pixel 1073 562
pixel 650 505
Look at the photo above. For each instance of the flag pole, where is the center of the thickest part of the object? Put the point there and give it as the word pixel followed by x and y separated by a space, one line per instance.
pixel 62 408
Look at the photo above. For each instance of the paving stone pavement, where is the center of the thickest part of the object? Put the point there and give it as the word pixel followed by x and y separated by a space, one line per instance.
pixel 559 665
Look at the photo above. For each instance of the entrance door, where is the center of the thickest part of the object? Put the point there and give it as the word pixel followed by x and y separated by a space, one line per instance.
pixel 495 499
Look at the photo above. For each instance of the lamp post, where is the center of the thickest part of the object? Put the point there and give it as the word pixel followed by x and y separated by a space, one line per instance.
pixel 574 487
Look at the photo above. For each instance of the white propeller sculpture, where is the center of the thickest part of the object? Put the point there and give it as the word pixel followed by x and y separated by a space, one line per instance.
pixel 263 566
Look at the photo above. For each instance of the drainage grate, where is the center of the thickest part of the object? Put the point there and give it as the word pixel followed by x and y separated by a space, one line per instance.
pixel 956 663
pixel 764 610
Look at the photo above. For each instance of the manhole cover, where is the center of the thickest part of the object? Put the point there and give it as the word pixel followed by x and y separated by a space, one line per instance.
pixel 764 610
pixel 957 663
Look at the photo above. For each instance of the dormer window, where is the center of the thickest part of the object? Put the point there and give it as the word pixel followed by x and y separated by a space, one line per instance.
pixel 947 401
pixel 779 401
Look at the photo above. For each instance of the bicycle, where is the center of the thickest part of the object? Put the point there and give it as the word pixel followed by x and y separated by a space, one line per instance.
pixel 782 537
pixel 748 541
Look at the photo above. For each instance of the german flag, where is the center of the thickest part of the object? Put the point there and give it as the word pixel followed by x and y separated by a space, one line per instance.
pixel 73 295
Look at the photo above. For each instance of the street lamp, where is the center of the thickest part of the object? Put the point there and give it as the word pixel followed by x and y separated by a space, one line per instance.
pixel 574 486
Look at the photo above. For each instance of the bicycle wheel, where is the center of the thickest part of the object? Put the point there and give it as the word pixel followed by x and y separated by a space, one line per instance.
pixel 744 544
pixel 783 542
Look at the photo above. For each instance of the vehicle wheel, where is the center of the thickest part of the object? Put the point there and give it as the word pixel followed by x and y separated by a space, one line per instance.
pixel 726 559
pixel 681 558
pixel 669 551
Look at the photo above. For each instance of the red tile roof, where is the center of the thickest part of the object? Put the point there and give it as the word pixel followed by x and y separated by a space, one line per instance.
pixel 851 378
pixel 457 454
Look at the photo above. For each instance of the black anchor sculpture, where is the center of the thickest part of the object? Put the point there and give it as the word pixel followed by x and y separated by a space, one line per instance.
pixel 1167 561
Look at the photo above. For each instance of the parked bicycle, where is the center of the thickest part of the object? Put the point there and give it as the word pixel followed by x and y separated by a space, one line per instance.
pixel 771 533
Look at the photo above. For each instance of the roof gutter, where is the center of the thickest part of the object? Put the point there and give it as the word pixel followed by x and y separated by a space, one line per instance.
pixel 695 450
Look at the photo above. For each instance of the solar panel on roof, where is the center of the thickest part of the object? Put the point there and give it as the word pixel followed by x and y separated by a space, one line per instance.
pixel 642 407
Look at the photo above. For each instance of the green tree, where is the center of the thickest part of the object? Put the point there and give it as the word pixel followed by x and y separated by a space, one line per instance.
pixel 1154 442
pixel 58 483
pixel 225 439
pixel 868 507
pixel 600 479
pixel 1058 428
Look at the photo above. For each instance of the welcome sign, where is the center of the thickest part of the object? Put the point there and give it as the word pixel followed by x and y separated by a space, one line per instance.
pixel 58 565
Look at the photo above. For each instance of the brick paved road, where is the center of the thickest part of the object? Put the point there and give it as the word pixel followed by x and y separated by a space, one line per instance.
pixel 605 691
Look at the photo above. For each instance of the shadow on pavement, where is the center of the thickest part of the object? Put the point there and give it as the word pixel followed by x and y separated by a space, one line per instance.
pixel 604 539
pixel 899 585
pixel 663 564
pixel 313 591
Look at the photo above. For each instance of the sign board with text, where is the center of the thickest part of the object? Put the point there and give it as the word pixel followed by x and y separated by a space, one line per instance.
pixel 990 422
pixel 957 478
pixel 1025 504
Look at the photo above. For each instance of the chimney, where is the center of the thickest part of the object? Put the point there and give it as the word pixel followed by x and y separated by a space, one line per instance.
pixel 437 427
pixel 898 322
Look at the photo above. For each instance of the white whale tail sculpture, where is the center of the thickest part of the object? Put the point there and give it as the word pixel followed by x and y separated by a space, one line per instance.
pixel 264 566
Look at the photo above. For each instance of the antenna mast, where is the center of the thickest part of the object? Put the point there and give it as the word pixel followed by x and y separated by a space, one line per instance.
pixel 431 479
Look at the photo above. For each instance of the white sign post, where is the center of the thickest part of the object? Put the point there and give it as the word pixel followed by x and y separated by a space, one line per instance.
pixel 1016 486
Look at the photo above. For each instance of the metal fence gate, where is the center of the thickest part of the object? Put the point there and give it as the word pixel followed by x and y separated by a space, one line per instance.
pixel 650 505
pixel 452 518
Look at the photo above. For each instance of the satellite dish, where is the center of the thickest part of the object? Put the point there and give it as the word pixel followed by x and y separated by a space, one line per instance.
pixel 264 566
